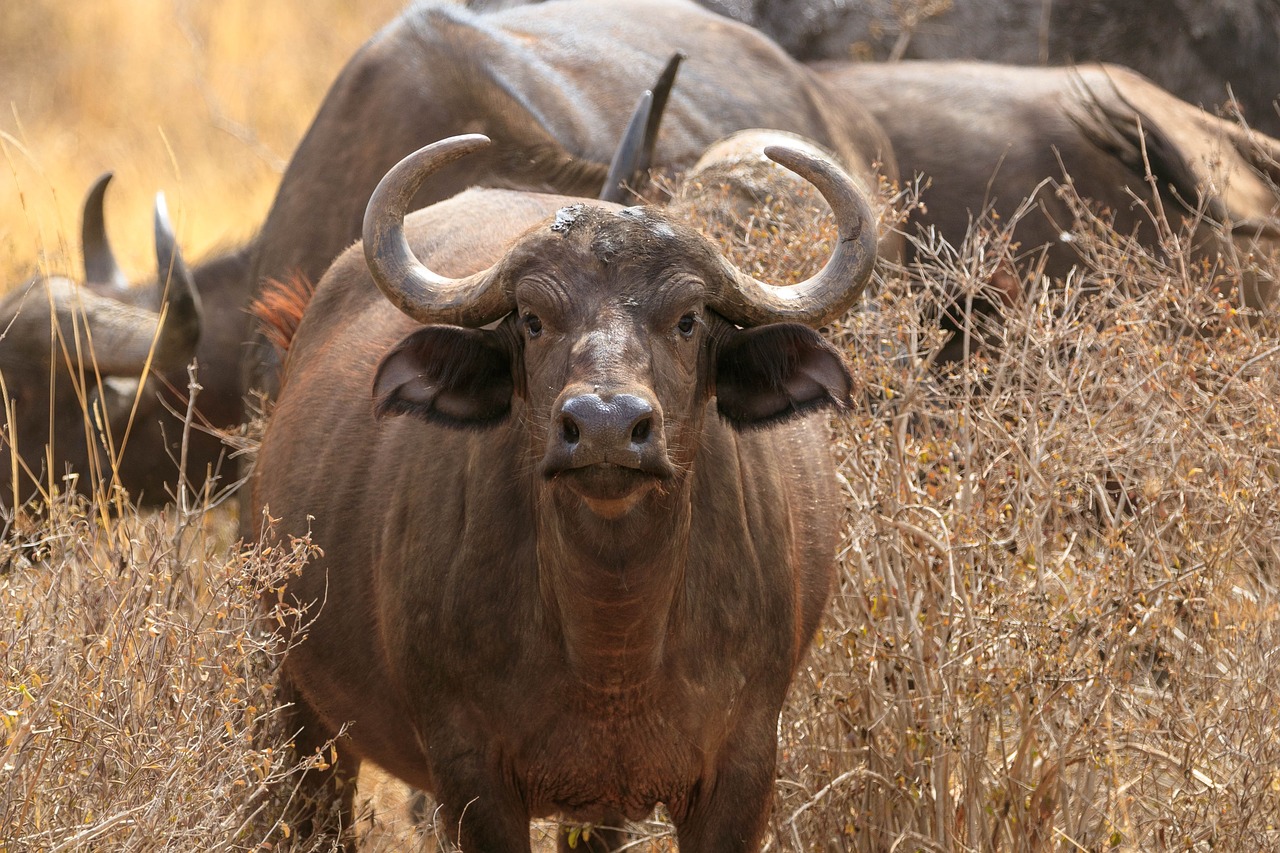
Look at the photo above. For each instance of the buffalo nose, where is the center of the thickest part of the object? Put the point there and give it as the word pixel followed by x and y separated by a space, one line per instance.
pixel 622 422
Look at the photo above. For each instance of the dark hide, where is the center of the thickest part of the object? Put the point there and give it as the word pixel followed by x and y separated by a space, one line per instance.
pixel 771 374
pixel 1193 48
pixel 988 137
pixel 454 377
pixel 523 638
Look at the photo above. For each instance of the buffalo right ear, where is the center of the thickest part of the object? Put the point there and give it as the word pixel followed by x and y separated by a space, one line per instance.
pixel 771 373
pixel 455 377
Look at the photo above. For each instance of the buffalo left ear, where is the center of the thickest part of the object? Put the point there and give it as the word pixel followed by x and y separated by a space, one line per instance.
pixel 456 377
pixel 776 372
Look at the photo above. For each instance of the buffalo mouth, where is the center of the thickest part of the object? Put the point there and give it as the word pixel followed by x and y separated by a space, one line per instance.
pixel 608 490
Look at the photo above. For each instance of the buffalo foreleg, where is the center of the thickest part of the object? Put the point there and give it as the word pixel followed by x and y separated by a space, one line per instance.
pixel 728 812
pixel 480 813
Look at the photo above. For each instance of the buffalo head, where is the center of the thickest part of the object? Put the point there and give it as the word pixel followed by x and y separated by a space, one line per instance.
pixel 72 357
pixel 620 324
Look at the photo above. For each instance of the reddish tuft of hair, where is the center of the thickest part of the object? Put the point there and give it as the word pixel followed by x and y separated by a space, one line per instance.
pixel 279 308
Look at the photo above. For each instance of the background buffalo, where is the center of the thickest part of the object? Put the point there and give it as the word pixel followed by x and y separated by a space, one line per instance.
pixel 518 75
pixel 1197 49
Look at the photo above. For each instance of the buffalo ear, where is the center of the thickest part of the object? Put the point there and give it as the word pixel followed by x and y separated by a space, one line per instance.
pixel 456 377
pixel 775 372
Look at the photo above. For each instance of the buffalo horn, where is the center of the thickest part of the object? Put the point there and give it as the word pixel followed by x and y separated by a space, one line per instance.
pixel 833 290
pixel 177 290
pixel 123 334
pixel 423 295
pixel 625 166
pixel 100 267
pixel 635 152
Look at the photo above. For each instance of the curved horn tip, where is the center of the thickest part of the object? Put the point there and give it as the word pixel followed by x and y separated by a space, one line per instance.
pixel 828 294
pixel 796 160
pixel 99 184
pixel 100 266
pixel 408 174
pixel 832 181
pixel 391 197
pixel 461 145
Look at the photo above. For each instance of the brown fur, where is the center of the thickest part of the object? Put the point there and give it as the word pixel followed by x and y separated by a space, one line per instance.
pixel 988 137
pixel 278 309
pixel 995 143
pixel 509 623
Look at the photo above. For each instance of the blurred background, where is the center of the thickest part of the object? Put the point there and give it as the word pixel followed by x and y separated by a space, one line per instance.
pixel 203 99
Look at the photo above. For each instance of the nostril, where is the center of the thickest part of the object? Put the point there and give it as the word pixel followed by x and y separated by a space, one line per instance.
pixel 640 432
pixel 569 430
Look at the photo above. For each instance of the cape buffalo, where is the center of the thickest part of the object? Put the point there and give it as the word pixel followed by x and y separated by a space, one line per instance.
pixel 1198 49
pixel 989 137
pixel 111 369
pixel 553 85
pixel 575 542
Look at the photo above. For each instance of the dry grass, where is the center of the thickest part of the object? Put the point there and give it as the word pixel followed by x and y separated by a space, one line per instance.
pixel 137 698
pixel 204 100
pixel 1057 611
pixel 1056 622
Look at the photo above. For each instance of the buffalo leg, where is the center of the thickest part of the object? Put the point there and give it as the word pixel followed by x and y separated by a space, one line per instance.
pixel 482 815
pixel 729 812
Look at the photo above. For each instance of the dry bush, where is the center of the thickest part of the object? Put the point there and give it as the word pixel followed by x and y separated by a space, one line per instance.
pixel 1056 616
pixel 137 669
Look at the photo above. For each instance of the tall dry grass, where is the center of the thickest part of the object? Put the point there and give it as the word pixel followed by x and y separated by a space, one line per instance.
pixel 137 701
pixel 203 100
pixel 1056 623
pixel 1056 619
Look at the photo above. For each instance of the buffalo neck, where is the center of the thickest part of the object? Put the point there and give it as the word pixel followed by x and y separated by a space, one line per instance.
pixel 612 588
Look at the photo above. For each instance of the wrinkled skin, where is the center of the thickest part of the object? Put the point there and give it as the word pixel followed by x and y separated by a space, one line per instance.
pixel 521 618
pixel 992 136
pixel 1193 48
pixel 553 85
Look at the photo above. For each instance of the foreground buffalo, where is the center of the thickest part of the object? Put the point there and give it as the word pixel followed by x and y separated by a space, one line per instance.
pixel 571 560
pixel 111 369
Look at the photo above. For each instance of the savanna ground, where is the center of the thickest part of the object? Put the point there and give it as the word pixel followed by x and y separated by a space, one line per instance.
pixel 1055 626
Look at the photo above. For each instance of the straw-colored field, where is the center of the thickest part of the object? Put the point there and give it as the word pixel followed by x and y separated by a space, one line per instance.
pixel 1058 605
pixel 203 100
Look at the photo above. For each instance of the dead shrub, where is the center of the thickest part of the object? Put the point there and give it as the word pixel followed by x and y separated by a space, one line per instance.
pixel 139 654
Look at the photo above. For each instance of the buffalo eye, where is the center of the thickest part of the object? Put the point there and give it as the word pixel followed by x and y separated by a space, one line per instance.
pixel 686 325
pixel 532 325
